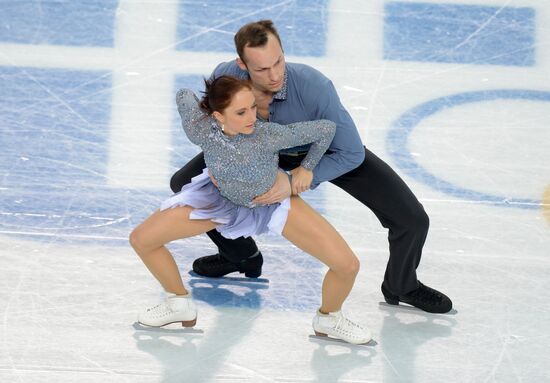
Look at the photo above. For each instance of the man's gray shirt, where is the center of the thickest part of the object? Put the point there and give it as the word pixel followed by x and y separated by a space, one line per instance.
pixel 309 95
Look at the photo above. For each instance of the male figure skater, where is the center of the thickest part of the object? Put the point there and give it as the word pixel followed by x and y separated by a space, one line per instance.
pixel 290 92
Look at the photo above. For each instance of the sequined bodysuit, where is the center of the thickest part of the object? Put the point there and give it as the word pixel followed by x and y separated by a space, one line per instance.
pixel 245 165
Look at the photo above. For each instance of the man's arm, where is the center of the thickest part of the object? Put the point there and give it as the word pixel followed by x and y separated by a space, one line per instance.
pixel 346 151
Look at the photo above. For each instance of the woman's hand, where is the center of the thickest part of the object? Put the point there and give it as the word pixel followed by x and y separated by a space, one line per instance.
pixel 301 179
pixel 213 179
pixel 278 192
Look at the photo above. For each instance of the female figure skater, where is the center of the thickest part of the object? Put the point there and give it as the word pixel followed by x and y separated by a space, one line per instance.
pixel 242 155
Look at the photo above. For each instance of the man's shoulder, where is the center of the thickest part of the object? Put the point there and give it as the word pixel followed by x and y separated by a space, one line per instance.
pixel 305 72
pixel 306 80
pixel 229 68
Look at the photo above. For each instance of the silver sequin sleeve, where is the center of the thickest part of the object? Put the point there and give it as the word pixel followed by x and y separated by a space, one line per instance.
pixel 319 133
pixel 196 124
pixel 245 165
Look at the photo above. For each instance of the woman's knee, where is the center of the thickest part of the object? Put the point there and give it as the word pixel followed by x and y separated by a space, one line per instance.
pixel 138 240
pixel 348 268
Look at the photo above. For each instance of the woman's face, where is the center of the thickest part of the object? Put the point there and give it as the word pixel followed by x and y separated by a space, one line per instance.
pixel 240 114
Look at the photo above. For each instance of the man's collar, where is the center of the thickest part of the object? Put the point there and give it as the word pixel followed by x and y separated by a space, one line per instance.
pixel 281 94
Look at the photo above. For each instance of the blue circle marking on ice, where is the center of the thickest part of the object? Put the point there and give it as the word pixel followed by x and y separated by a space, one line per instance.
pixel 401 129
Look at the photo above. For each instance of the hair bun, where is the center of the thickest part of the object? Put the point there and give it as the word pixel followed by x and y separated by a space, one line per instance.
pixel 219 92
pixel 204 103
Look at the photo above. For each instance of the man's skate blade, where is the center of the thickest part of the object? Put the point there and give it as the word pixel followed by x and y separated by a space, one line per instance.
pixel 407 307
pixel 232 279
pixel 327 339
pixel 169 328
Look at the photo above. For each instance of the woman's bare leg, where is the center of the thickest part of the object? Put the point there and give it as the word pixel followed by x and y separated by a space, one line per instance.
pixel 309 231
pixel 162 227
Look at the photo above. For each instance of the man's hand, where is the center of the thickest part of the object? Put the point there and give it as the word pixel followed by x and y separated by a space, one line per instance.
pixel 213 179
pixel 278 192
pixel 301 179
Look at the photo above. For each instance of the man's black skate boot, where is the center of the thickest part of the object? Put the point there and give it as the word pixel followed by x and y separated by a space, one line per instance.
pixel 215 266
pixel 424 297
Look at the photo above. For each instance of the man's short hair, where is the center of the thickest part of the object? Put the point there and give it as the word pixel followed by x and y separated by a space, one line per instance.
pixel 253 35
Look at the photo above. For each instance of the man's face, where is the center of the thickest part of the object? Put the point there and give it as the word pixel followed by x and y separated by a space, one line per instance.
pixel 265 65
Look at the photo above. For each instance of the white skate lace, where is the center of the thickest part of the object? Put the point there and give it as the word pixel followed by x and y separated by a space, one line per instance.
pixel 161 310
pixel 346 327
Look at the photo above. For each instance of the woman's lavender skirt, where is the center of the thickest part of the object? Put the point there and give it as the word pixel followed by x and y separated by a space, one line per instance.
pixel 235 220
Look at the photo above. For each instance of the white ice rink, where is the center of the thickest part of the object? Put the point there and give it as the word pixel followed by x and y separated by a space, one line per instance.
pixel 454 95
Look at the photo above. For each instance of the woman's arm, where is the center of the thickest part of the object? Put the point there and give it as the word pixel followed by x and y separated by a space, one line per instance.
pixel 319 133
pixel 196 124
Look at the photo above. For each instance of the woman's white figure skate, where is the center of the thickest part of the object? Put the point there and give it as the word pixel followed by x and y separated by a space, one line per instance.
pixel 174 309
pixel 336 325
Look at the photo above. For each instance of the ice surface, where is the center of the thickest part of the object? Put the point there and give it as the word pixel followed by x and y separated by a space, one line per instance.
pixel 89 138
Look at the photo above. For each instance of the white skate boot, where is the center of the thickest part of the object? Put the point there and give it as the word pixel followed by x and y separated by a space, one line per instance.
pixel 336 325
pixel 175 308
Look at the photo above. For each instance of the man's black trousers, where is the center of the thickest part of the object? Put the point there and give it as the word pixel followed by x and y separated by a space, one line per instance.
pixel 376 186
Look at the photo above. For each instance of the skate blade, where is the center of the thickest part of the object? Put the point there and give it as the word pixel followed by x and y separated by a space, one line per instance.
pixel 325 338
pixel 406 307
pixel 231 279
pixel 169 328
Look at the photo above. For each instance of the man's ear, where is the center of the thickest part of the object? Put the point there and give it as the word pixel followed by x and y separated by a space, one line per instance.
pixel 241 64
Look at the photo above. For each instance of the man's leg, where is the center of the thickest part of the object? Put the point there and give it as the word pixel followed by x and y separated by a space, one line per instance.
pixel 377 186
pixel 184 175
pixel 239 254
